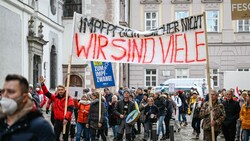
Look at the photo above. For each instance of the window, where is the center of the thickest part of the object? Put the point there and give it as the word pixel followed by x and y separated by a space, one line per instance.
pixel 243 69
pixel 243 25
pixel 181 73
pixel 151 77
pixel 75 81
pixel 214 74
pixel 70 6
pixel 151 20
pixel 212 21
pixel 181 14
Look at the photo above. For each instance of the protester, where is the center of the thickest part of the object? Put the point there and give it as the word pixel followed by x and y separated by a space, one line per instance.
pixel 123 108
pixel 142 106
pixel 159 101
pixel 242 100
pixel 183 108
pixel 20 118
pixel 120 92
pixel 169 113
pixel 218 117
pixel 59 105
pixel 151 112
pixel 138 99
pixel 34 94
pixel 93 122
pixel 113 119
pixel 245 119
pixel 108 95
pixel 195 108
pixel 232 109
pixel 42 97
pixel 83 107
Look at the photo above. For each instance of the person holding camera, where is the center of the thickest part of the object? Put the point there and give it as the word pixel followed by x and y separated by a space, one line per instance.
pixel 151 112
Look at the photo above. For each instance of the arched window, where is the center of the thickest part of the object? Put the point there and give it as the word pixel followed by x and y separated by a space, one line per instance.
pixel 53 67
pixel 75 81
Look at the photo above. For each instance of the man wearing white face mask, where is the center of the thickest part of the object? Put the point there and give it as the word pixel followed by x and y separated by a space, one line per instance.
pixel 20 118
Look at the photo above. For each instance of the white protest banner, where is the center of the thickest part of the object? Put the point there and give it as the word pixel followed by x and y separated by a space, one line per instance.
pixel 178 42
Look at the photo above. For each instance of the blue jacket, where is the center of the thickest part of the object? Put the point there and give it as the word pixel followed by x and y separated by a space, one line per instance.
pixel 32 127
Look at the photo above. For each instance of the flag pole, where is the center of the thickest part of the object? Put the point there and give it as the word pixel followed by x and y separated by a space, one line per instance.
pixel 68 74
pixel 208 77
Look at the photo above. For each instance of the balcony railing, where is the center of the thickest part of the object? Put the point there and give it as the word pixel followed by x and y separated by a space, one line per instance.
pixel 211 1
pixel 181 1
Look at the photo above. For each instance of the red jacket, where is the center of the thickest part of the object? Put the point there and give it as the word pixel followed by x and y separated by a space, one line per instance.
pixel 42 98
pixel 50 102
pixel 83 110
pixel 59 105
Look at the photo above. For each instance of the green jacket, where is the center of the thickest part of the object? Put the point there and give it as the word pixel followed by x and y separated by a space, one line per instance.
pixel 218 115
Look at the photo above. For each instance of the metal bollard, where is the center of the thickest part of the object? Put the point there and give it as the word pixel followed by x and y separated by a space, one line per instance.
pixel 153 132
pixel 171 133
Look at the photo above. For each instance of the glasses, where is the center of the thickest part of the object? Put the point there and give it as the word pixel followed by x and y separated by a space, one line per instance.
pixel 10 91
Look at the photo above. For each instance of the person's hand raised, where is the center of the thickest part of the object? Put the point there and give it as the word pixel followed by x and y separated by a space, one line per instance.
pixel 41 79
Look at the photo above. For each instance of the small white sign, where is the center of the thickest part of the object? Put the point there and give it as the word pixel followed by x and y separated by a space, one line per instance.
pixel 171 87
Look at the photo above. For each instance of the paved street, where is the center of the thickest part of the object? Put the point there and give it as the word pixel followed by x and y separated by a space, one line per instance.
pixel 184 135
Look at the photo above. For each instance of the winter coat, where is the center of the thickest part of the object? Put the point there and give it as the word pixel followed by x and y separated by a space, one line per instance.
pixel 59 105
pixel 31 127
pixel 245 116
pixel 113 119
pixel 161 105
pixel 119 110
pixel 232 109
pixel 42 98
pixel 151 110
pixel 169 107
pixel 218 115
pixel 139 98
pixel 109 97
pixel 93 117
pixel 83 110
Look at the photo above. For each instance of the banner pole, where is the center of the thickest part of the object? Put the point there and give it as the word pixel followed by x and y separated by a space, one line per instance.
pixel 208 78
pixel 68 74
pixel 100 106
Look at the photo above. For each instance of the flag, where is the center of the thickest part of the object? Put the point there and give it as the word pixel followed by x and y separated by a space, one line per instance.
pixel 236 92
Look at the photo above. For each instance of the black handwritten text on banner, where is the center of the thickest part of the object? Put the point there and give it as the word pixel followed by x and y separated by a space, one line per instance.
pixel 179 42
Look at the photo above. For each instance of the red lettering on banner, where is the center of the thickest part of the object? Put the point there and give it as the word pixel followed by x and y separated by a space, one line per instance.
pixel 164 58
pixel 94 50
pixel 135 48
pixel 129 50
pixel 120 47
pixel 100 46
pixel 198 45
pixel 146 46
pixel 79 50
pixel 177 49
pixel 186 47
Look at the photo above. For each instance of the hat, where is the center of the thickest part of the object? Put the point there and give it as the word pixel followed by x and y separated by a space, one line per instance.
pixel 244 93
pixel 126 91
pixel 30 86
pixel 139 88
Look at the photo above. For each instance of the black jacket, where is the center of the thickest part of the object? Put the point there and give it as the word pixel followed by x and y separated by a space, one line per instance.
pixel 169 107
pixel 151 110
pixel 32 127
pixel 93 117
pixel 112 117
pixel 161 105
pixel 232 109
pixel 119 110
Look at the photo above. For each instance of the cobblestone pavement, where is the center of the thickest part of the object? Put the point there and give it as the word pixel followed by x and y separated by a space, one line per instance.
pixel 184 135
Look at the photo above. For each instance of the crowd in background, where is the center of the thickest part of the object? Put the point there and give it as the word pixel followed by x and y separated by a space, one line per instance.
pixel 230 112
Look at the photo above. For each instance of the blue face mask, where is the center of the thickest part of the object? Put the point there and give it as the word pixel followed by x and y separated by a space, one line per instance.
pixel 7 106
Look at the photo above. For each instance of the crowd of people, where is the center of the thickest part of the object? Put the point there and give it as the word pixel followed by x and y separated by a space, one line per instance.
pixel 21 113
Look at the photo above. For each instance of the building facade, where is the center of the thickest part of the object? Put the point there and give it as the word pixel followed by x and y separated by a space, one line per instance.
pixel 228 41
pixel 31 35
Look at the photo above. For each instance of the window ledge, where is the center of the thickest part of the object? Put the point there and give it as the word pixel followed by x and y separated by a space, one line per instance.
pixel 151 1
pixel 211 1
pixel 181 1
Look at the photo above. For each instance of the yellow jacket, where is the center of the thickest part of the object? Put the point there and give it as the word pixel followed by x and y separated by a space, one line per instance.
pixel 245 117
